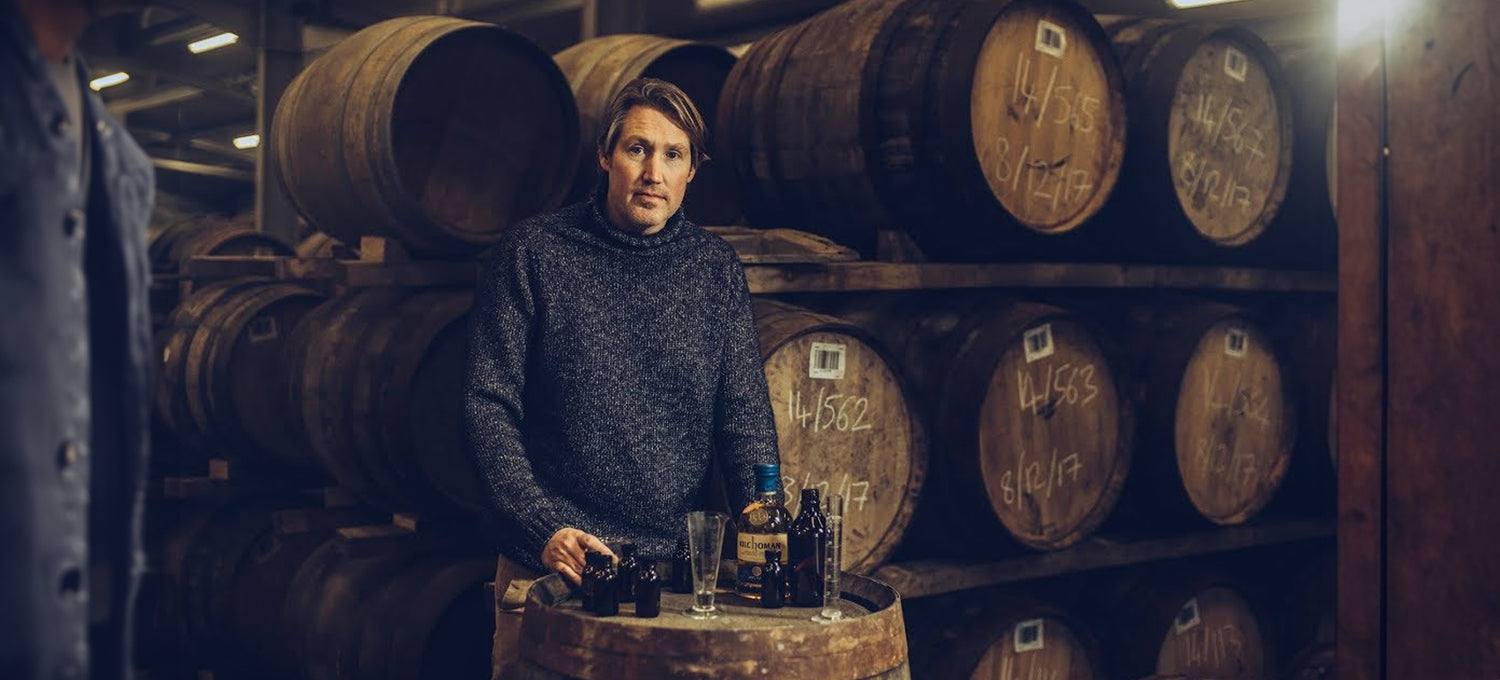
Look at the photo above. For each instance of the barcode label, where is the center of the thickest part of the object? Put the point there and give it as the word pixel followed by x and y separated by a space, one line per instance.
pixel 1029 636
pixel 1236 343
pixel 826 361
pixel 1038 342
pixel 1187 617
pixel 262 328
pixel 1051 39
pixel 1235 64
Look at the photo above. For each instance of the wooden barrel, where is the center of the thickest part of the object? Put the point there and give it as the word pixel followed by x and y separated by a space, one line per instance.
pixel 559 640
pixel 1004 637
pixel 977 126
pixel 173 244
pixel 1221 408
pixel 1210 133
pixel 1197 626
pixel 320 244
pixel 1029 427
pixel 1304 233
pixel 377 377
pixel 845 424
pixel 435 131
pixel 232 376
pixel 598 68
pixel 170 399
pixel 388 617
pixel 232 571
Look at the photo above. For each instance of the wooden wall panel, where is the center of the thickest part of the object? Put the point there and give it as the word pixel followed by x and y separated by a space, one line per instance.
pixel 1361 357
pixel 1442 547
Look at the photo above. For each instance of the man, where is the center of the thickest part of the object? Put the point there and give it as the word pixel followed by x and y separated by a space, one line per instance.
pixel 613 351
pixel 75 197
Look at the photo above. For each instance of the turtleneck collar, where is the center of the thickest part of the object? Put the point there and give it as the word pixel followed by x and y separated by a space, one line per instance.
pixel 599 225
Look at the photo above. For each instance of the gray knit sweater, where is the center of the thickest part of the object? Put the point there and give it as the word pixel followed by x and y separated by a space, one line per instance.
pixel 605 370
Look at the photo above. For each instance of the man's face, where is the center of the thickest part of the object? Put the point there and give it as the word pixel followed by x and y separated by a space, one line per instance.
pixel 649 170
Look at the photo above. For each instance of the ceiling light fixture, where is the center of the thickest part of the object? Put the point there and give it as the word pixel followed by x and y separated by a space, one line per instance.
pixel 213 42
pixel 106 81
pixel 247 142
pixel 1185 4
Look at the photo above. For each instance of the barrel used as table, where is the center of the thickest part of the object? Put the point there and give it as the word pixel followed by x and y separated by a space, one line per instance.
pixel 559 640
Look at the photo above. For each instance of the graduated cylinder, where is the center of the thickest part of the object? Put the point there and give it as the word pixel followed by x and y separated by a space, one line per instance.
pixel 1030 429
pixel 973 125
pixel 845 424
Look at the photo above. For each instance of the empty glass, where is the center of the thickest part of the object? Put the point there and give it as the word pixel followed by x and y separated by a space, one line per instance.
pixel 832 558
pixel 705 543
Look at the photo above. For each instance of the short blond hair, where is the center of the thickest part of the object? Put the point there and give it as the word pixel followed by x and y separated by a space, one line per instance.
pixel 668 100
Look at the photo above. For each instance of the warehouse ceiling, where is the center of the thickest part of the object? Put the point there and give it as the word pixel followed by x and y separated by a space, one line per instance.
pixel 188 109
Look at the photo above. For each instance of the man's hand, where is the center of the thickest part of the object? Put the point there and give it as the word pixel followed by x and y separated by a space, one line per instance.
pixel 564 552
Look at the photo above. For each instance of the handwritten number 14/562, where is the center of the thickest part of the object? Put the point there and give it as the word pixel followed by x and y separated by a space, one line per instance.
pixel 845 413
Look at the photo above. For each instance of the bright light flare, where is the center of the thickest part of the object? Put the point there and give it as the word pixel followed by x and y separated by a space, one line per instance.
pixel 213 42
pixel 247 142
pixel 1184 4
pixel 109 80
pixel 1357 18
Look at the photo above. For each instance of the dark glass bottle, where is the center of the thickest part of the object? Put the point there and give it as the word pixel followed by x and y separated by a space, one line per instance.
pixel 805 540
pixel 607 598
pixel 628 565
pixel 647 591
pixel 772 581
pixel 590 575
pixel 762 526
pixel 682 568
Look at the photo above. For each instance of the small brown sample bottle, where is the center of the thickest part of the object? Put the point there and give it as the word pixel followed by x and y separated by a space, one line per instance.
pixel 590 576
pixel 772 582
pixel 607 597
pixel 647 591
pixel 627 566
pixel 682 568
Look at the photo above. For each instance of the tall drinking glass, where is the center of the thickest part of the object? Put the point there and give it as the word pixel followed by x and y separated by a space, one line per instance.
pixel 705 542
pixel 832 561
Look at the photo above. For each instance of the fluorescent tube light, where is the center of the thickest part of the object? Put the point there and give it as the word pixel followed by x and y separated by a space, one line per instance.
pixel 213 42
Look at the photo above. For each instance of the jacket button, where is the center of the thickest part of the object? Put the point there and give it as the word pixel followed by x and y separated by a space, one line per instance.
pixel 105 131
pixel 68 454
pixel 73 223
pixel 61 125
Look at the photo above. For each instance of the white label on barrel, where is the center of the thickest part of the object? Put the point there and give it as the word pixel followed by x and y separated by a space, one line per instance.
pixel 1051 39
pixel 1236 343
pixel 1038 342
pixel 1029 636
pixel 1235 64
pixel 826 361
pixel 1187 618
pixel 262 328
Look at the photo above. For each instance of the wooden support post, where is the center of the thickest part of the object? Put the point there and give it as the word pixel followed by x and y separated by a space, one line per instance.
pixel 280 61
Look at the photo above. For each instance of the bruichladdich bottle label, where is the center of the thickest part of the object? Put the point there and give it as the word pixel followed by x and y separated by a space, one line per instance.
pixel 751 553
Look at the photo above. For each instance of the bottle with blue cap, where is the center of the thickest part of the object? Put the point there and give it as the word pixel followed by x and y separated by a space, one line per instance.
pixel 762 526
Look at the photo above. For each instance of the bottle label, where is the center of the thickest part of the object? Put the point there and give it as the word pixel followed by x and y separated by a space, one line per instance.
pixel 751 553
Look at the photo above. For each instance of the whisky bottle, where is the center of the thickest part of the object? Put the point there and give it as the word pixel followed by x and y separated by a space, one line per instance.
pixel 762 526
pixel 806 541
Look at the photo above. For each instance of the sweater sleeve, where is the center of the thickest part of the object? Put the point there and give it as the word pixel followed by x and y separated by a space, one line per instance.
pixel 744 428
pixel 502 326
